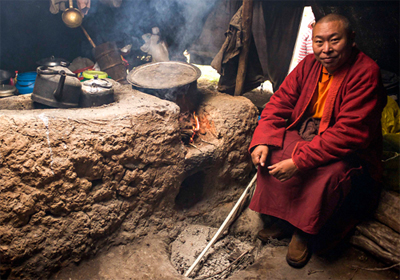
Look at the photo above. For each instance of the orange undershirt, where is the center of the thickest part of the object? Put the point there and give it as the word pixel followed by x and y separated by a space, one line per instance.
pixel 318 102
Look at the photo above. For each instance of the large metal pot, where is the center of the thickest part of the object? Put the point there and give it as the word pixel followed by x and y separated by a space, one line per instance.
pixel 170 80
pixel 56 87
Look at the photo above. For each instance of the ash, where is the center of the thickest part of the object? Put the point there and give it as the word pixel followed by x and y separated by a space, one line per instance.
pixel 227 255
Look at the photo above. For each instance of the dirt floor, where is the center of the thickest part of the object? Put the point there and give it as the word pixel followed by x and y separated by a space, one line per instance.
pixel 230 258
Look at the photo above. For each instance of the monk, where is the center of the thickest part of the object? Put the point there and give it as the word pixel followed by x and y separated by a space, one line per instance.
pixel 318 144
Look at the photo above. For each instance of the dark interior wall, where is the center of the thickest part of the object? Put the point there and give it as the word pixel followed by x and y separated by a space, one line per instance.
pixel 29 32
pixel 376 24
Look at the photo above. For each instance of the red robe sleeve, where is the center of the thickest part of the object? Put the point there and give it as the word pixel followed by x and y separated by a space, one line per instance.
pixel 356 122
pixel 273 120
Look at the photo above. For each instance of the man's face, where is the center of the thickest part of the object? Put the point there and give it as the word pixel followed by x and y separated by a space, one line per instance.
pixel 331 44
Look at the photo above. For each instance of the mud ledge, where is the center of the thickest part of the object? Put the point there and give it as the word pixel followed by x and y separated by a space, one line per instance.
pixel 74 181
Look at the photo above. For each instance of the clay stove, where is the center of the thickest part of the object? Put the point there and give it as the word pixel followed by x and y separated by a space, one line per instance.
pixel 76 180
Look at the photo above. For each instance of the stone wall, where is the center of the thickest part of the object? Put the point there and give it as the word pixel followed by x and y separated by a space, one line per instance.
pixel 72 180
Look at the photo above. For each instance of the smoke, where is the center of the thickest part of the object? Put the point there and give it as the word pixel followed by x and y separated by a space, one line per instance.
pixel 180 21
pixel 195 14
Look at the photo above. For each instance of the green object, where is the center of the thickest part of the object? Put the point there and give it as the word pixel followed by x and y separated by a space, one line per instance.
pixel 89 74
pixel 390 117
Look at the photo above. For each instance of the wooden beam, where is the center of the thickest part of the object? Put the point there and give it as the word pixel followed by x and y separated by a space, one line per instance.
pixel 247 19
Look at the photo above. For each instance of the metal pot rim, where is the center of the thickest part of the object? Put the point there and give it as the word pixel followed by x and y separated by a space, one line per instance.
pixel 190 71
pixel 7 90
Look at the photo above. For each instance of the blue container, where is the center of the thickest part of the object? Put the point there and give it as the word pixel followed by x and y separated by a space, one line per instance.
pixel 26 82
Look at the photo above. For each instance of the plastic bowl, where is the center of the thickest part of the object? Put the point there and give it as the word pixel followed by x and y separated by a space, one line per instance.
pixel 89 74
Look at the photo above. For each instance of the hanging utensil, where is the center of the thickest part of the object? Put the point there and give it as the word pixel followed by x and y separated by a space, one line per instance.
pixel 88 37
pixel 72 17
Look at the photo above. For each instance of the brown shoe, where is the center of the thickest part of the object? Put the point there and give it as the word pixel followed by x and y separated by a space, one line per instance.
pixel 278 230
pixel 298 253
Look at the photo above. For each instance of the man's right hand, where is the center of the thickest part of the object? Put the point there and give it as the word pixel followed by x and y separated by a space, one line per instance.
pixel 259 155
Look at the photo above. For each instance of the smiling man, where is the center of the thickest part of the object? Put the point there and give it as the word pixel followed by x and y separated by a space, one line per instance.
pixel 318 144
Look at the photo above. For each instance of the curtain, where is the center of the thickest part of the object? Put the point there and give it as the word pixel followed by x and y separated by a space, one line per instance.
pixel 275 28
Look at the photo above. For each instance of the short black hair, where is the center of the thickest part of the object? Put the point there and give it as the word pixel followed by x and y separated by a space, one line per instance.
pixel 336 17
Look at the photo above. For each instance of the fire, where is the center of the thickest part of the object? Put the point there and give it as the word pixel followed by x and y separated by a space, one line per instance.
pixel 196 127
pixel 190 127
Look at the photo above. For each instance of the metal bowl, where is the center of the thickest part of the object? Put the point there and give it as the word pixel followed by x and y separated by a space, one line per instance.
pixel 7 90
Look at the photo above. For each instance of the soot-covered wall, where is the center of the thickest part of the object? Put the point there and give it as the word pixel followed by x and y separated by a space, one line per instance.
pixel 30 32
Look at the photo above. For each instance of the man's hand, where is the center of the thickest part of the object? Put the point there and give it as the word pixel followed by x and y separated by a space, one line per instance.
pixel 259 155
pixel 283 170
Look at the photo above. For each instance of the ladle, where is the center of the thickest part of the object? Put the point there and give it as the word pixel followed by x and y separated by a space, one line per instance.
pixel 88 37
pixel 72 17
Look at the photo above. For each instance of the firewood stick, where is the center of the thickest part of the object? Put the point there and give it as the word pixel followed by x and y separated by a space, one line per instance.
pixel 376 268
pixel 370 246
pixel 88 37
pixel 382 235
pixel 222 227
pixel 388 210
pixel 230 265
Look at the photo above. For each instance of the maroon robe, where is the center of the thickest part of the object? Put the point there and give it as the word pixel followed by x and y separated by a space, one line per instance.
pixel 348 144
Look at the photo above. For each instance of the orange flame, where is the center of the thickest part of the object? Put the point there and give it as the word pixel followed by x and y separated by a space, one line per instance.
pixel 195 127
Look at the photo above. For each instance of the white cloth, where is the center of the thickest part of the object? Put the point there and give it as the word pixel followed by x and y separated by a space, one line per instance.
pixel 83 6
pixel 154 46
pixel 58 5
pixel 112 3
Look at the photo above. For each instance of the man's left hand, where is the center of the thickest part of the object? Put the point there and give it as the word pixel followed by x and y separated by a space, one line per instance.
pixel 283 170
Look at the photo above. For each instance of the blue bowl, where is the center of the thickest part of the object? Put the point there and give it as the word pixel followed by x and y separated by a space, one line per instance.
pixel 26 82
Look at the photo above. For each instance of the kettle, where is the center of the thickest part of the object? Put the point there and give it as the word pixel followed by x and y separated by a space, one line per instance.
pixel 56 87
pixel 96 92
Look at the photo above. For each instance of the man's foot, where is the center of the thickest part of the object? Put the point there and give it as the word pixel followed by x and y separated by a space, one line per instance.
pixel 277 230
pixel 299 253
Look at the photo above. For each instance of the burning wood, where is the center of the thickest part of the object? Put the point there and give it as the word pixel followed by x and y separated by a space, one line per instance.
pixel 190 126
pixel 195 127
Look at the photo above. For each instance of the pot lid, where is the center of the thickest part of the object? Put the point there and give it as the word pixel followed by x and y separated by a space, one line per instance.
pixel 7 90
pixel 53 61
pixel 95 85
pixel 163 75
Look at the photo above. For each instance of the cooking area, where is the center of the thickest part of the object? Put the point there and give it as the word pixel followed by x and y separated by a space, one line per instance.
pixel 125 129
